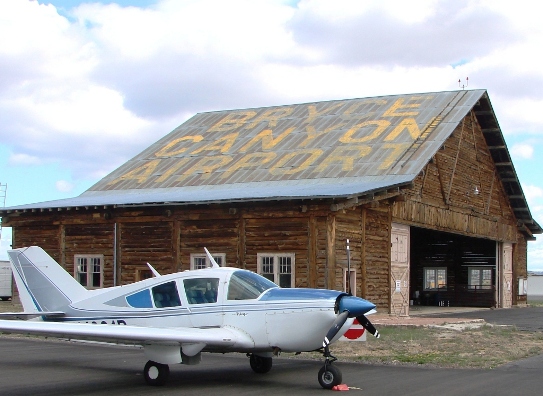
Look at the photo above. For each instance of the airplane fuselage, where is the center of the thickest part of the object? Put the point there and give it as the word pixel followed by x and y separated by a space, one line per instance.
pixel 268 320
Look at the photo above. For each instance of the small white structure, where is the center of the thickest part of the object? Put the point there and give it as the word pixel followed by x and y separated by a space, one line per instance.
pixel 6 290
pixel 535 286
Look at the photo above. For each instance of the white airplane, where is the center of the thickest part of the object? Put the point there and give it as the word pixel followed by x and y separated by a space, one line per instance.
pixel 176 317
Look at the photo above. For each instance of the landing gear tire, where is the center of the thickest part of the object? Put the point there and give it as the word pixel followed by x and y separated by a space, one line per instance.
pixel 260 364
pixel 156 374
pixel 329 376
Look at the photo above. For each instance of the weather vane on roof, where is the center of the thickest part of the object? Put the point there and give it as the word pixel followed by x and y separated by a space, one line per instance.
pixel 462 85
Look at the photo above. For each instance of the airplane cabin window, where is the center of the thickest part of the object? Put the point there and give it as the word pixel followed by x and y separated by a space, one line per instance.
pixel 166 295
pixel 245 285
pixel 141 299
pixel 201 290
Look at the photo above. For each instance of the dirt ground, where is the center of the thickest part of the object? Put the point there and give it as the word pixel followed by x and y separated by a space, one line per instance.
pixel 439 342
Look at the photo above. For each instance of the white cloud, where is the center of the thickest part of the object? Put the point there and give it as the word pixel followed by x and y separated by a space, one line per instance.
pixel 522 151
pixel 410 34
pixel 532 193
pixel 535 255
pixel 64 186
pixel 24 159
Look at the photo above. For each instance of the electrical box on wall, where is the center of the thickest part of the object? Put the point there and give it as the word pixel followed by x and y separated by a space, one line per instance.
pixel 522 286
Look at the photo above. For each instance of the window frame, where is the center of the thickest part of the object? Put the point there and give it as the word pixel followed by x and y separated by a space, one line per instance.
pixel 480 285
pixel 353 281
pixel 89 257
pixel 276 266
pixel 436 277
pixel 194 256
pixel 143 273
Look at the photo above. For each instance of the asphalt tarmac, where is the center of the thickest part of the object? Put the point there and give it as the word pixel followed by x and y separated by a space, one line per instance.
pixel 30 366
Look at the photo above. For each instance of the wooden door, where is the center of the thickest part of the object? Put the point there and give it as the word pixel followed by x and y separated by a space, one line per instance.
pixel 399 270
pixel 506 275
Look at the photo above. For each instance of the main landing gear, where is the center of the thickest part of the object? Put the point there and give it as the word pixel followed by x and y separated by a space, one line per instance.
pixel 329 375
pixel 260 364
pixel 155 373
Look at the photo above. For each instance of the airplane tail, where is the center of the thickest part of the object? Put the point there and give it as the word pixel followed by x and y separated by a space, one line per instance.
pixel 44 286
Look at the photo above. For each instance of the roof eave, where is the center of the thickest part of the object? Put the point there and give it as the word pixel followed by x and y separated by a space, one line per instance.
pixel 504 165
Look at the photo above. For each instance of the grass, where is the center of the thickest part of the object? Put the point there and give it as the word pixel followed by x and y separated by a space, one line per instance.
pixel 485 347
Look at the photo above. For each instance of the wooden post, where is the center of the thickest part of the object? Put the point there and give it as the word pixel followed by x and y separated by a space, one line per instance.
pixel 241 242
pixel 329 276
pixel 177 265
pixel 312 252
pixel 62 246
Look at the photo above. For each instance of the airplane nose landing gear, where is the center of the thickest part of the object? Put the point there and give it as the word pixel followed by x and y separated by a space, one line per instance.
pixel 329 375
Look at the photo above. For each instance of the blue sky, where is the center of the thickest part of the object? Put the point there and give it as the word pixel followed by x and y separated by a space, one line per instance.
pixel 86 85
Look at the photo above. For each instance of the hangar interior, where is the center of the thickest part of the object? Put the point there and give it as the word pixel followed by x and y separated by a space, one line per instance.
pixel 452 270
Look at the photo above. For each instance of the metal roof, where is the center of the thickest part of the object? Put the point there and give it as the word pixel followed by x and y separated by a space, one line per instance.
pixel 334 149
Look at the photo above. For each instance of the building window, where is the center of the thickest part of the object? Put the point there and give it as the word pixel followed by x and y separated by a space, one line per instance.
pixel 201 261
pixel 89 270
pixel 479 278
pixel 435 278
pixel 143 273
pixel 277 267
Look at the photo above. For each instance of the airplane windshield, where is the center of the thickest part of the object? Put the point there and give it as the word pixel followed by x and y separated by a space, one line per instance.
pixel 245 285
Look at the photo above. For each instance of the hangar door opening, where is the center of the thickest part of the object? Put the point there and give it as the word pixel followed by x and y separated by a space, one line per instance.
pixel 452 270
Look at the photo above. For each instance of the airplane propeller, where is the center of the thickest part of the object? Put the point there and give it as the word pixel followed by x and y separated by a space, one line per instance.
pixel 368 326
pixel 351 307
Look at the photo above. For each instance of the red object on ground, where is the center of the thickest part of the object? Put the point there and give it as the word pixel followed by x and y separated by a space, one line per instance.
pixel 341 387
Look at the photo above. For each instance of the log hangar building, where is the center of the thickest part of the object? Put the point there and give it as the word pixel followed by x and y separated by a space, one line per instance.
pixel 422 185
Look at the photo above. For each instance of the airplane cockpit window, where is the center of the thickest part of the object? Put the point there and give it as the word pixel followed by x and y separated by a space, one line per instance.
pixel 166 295
pixel 201 290
pixel 245 285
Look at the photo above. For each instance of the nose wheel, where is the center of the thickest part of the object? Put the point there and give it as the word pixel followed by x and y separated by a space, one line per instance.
pixel 329 375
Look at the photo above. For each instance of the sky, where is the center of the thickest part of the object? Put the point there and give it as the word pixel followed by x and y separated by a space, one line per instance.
pixel 86 85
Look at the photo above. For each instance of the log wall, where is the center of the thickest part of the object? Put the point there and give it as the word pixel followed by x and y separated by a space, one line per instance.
pixel 459 190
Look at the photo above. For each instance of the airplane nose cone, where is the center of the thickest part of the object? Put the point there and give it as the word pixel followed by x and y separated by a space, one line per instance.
pixel 355 305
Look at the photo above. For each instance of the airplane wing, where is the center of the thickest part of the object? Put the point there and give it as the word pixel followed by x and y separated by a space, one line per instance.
pixel 30 315
pixel 225 337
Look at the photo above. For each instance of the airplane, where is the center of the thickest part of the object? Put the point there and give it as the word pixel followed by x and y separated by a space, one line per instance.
pixel 178 316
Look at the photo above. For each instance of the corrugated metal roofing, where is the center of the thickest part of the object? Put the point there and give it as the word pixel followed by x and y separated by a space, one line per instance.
pixel 334 149
pixel 326 141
